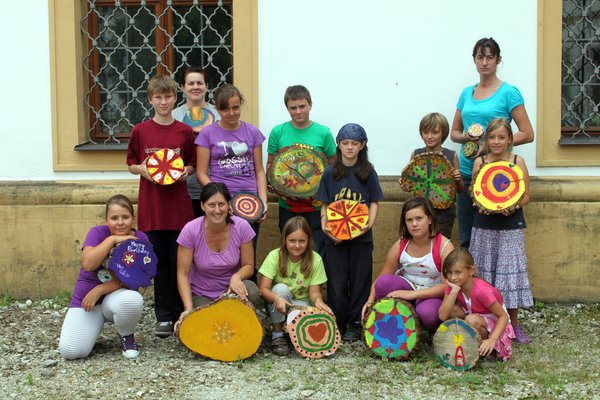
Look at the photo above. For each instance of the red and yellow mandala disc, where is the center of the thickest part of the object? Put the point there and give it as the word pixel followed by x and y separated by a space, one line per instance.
pixel 165 166
pixel 498 186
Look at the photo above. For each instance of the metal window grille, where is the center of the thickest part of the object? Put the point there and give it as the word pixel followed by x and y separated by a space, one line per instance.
pixel 580 72
pixel 130 41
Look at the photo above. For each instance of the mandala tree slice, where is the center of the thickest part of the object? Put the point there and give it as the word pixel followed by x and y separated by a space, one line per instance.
pixel 476 131
pixel 313 333
pixel 165 166
pixel 391 329
pixel 498 186
pixel 470 149
pixel 227 329
pixel 346 218
pixel 247 205
pixel 430 175
pixel 133 262
pixel 456 345
pixel 198 118
pixel 296 171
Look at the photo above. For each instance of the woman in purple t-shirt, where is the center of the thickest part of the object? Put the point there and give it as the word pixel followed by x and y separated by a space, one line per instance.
pixel 96 300
pixel 233 150
pixel 215 254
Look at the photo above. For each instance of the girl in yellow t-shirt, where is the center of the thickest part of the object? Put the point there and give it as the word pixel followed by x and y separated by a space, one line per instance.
pixel 291 275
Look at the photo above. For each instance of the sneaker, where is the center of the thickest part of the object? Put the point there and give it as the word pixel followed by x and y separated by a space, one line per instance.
pixel 520 336
pixel 280 346
pixel 352 333
pixel 163 329
pixel 128 346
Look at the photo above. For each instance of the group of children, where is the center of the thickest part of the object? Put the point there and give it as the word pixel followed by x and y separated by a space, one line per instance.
pixel 421 267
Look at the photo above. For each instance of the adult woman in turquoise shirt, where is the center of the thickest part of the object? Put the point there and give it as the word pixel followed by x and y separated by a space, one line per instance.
pixel 478 104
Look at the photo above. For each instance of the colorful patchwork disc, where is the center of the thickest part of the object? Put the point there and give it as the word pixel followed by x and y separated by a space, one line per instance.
pixel 314 333
pixel 430 175
pixel 165 166
pixel 498 186
pixel 346 218
pixel 227 329
pixel 456 345
pixel 470 149
pixel 247 205
pixel 133 263
pixel 198 118
pixel 296 171
pixel 391 329
pixel 476 131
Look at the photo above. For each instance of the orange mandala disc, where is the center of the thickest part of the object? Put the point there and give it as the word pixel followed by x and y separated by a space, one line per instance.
pixel 165 166
pixel 346 218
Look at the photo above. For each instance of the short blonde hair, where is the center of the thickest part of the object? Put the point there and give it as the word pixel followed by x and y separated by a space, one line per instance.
pixel 431 120
pixel 161 84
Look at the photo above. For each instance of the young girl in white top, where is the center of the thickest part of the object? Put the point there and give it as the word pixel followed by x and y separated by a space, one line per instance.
pixel 413 267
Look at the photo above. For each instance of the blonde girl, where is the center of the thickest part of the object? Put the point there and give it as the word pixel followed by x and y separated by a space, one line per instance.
pixel 291 275
pixel 479 303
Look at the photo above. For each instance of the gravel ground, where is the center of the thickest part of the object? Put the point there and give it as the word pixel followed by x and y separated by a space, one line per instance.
pixel 561 363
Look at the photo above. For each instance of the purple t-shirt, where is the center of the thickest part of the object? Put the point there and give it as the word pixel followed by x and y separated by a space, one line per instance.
pixel 232 155
pixel 211 272
pixel 87 280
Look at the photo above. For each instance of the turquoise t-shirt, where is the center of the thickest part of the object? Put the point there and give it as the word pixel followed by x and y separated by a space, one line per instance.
pixel 294 280
pixel 316 136
pixel 498 105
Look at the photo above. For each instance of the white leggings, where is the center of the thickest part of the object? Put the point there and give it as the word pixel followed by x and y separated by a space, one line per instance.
pixel 81 329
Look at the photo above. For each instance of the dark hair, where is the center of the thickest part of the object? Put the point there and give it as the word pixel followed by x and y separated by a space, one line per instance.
pixel 418 202
pixel 362 169
pixel 224 93
pixel 495 124
pixel 296 92
pixel 294 224
pixel 459 255
pixel 212 188
pixel 121 201
pixel 191 70
pixel 488 43
pixel 431 120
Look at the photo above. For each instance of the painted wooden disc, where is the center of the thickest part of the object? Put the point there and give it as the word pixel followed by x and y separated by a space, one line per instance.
pixel 456 345
pixel 247 205
pixel 165 166
pixel 430 175
pixel 227 329
pixel 313 333
pixel 346 218
pixel 133 262
pixel 470 149
pixel 198 118
pixel 296 171
pixel 498 186
pixel 476 131
pixel 391 329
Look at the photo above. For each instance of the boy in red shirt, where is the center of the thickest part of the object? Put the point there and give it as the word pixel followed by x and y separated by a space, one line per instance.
pixel 163 210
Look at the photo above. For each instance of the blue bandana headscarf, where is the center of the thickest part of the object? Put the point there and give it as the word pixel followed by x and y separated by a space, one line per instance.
pixel 353 132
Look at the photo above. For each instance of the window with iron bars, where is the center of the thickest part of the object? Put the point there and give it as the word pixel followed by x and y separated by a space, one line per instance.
pixel 131 41
pixel 580 119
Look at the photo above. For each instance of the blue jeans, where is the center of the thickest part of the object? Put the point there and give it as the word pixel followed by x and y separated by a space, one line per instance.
pixel 466 213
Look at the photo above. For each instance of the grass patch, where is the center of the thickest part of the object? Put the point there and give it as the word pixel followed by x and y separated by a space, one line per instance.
pixel 6 300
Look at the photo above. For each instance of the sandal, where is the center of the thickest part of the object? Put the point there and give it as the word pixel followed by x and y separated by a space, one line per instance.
pixel 280 347
pixel 520 336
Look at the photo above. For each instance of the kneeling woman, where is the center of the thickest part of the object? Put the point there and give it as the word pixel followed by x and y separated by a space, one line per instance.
pixel 413 267
pixel 95 302
pixel 297 273
pixel 215 254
